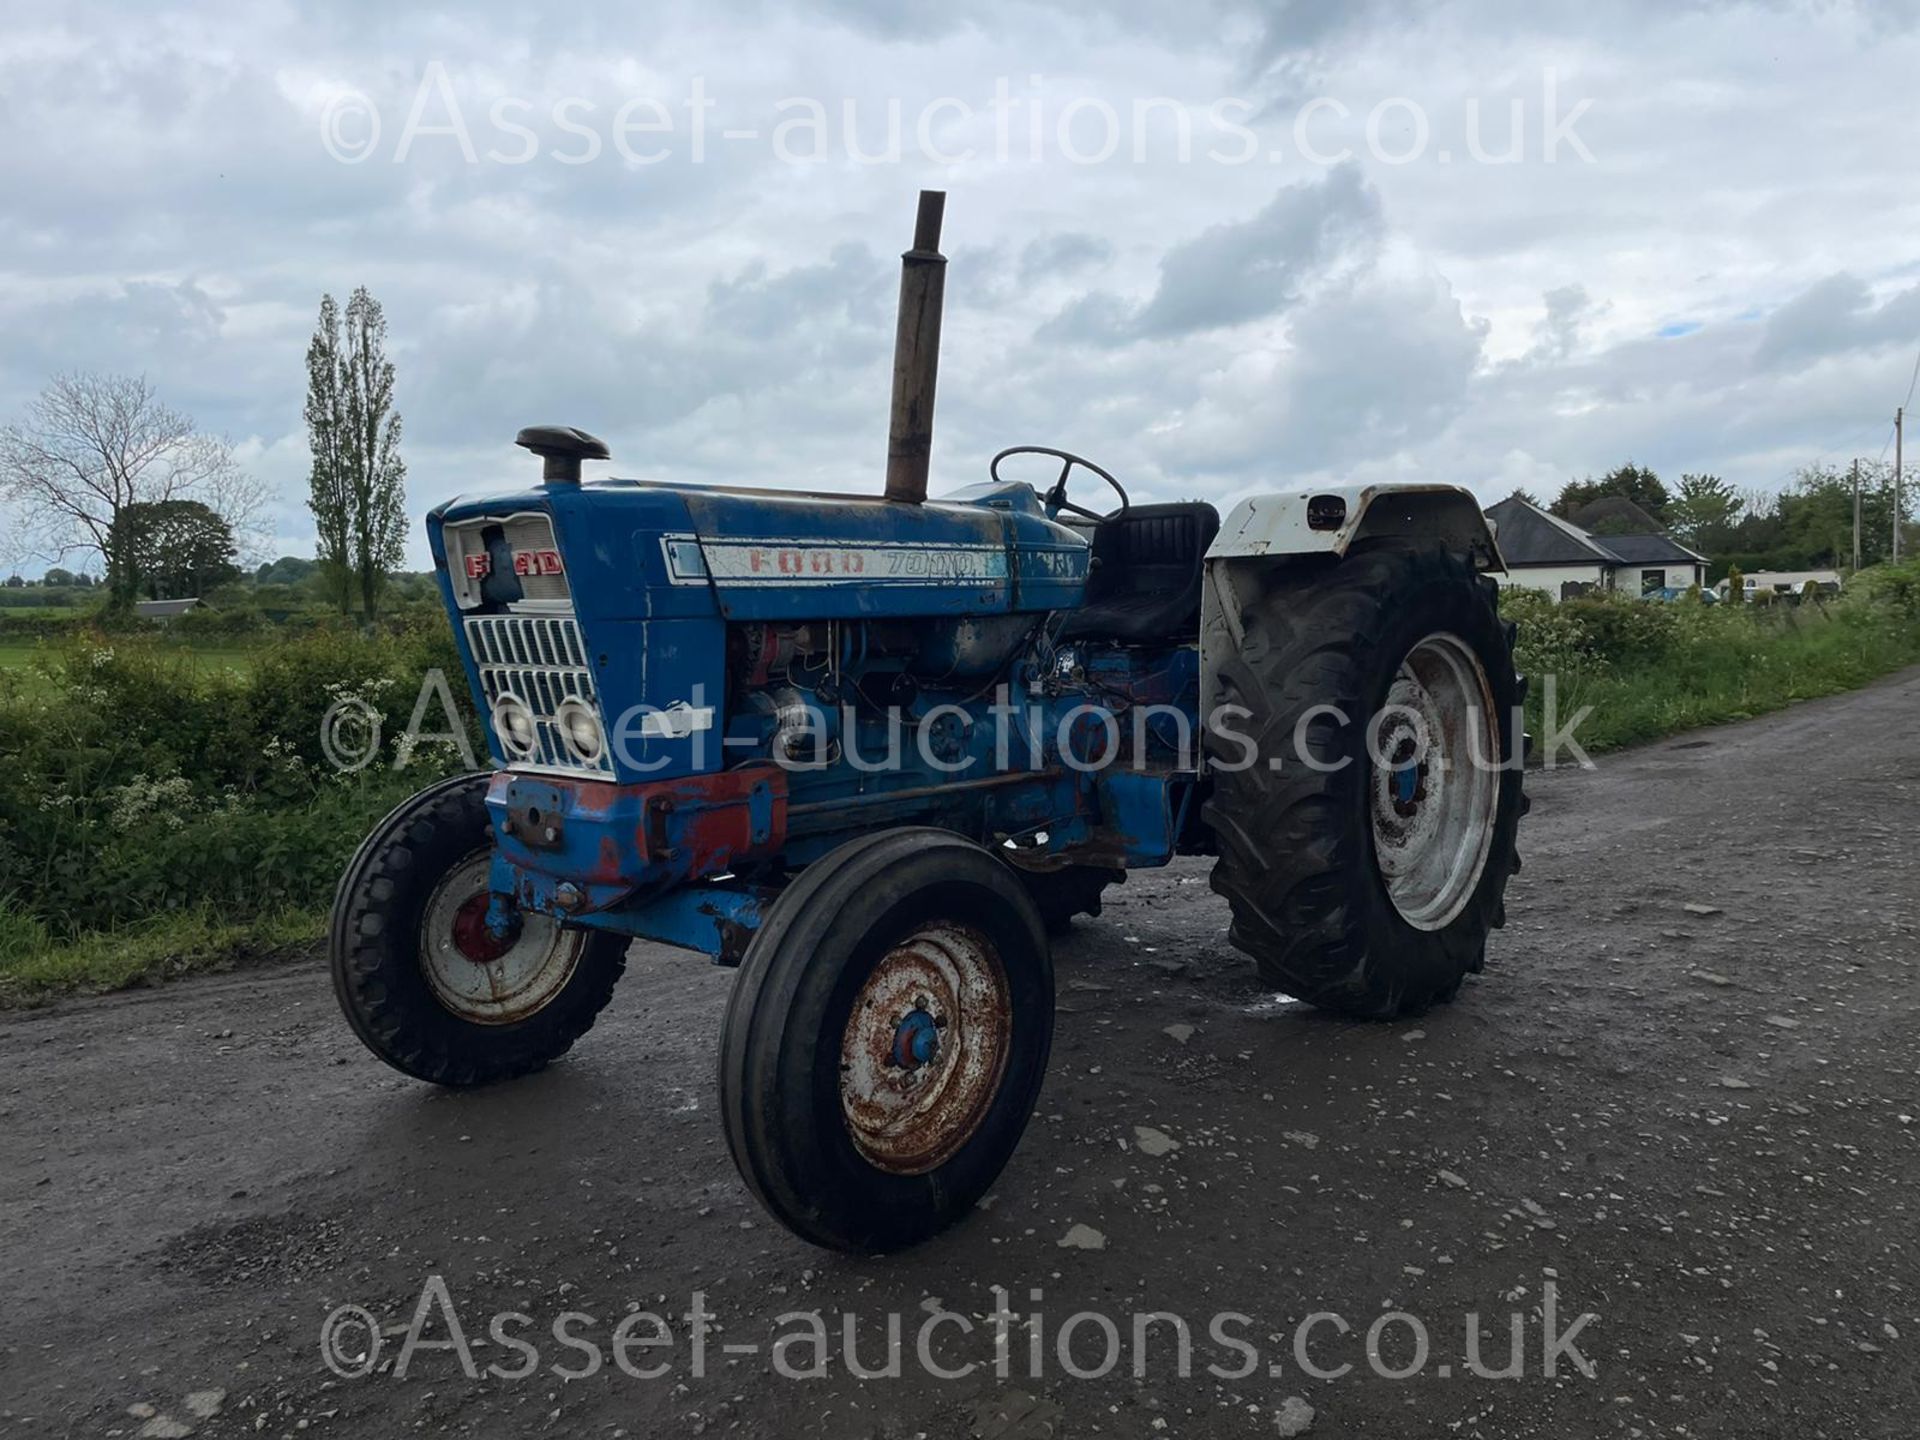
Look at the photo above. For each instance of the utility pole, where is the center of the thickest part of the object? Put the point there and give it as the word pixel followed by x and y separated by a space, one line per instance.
pixel 1856 515
pixel 1899 417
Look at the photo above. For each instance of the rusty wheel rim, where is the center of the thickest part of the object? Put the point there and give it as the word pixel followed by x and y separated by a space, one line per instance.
pixel 1435 789
pixel 482 979
pixel 925 1048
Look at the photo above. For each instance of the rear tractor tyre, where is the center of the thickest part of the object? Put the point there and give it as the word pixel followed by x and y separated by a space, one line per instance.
pixel 420 979
pixel 886 1040
pixel 1366 882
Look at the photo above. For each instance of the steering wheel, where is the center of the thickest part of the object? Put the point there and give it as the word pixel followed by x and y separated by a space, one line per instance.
pixel 1056 498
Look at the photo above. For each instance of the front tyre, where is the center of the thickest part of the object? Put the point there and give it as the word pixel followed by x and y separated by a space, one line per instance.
pixel 424 984
pixel 886 1040
pixel 1367 839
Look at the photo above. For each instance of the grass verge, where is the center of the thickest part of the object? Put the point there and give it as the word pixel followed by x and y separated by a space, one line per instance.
pixel 1633 671
pixel 1691 691
pixel 36 967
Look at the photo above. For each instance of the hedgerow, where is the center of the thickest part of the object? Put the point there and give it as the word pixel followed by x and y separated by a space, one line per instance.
pixel 138 782
pixel 1644 669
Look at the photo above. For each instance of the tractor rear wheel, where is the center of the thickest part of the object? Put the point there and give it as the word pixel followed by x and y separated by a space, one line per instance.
pixel 886 1040
pixel 424 984
pixel 1365 849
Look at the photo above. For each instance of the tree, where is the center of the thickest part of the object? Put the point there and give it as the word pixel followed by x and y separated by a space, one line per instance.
pixel 90 446
pixel 330 494
pixel 57 576
pixel 287 570
pixel 179 548
pixel 358 480
pixel 1812 521
pixel 1703 512
pixel 1635 482
pixel 1524 497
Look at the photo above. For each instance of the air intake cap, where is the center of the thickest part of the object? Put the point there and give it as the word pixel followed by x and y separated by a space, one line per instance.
pixel 563 448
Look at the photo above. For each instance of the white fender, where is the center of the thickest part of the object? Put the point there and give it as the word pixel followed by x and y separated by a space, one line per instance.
pixel 1267 530
pixel 1330 519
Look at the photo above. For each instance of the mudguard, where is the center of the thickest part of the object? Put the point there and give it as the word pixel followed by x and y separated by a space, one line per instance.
pixel 1267 530
pixel 1329 520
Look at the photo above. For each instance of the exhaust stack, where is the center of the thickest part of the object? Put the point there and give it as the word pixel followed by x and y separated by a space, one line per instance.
pixel 916 355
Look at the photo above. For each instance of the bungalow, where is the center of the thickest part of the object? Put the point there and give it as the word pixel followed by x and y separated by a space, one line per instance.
pixel 1544 552
pixel 164 612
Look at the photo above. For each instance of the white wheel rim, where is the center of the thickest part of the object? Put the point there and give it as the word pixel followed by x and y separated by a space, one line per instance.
pixel 925 1049
pixel 491 984
pixel 1434 791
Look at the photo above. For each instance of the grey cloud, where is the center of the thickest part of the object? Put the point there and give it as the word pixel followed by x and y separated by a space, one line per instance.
pixel 1368 371
pixel 1094 319
pixel 1836 315
pixel 1243 270
pixel 170 209
pixel 810 303
pixel 1238 272
pixel 1054 257
pixel 1568 307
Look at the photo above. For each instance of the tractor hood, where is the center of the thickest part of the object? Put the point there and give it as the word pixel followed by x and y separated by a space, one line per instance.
pixel 634 549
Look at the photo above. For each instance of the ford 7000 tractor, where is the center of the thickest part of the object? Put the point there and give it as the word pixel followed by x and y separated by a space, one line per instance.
pixel 872 749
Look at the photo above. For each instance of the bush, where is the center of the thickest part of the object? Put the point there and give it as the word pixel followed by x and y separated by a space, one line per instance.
pixel 241 622
pixel 1623 631
pixel 141 781
pixel 18 625
pixel 1647 669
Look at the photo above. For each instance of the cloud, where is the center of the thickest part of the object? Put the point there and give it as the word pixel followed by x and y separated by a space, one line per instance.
pixel 1057 256
pixel 1366 372
pixel 1243 270
pixel 1837 315
pixel 1201 327
pixel 1558 334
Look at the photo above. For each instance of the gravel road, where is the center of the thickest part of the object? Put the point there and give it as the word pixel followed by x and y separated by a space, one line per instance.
pixel 1683 1099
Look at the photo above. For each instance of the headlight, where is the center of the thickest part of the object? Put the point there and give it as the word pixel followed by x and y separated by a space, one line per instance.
pixel 580 728
pixel 513 723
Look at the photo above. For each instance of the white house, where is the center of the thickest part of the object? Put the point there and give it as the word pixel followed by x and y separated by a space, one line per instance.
pixel 1544 552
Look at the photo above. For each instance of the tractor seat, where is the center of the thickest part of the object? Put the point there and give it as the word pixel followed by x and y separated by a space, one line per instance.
pixel 1145 582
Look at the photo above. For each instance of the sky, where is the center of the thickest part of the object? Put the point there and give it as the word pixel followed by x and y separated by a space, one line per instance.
pixel 1220 247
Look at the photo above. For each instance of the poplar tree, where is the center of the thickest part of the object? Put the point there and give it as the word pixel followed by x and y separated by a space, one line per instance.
pixel 358 481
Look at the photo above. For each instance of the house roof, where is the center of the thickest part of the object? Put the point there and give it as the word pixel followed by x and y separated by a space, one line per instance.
pixel 1650 550
pixel 162 609
pixel 1528 535
pixel 1612 515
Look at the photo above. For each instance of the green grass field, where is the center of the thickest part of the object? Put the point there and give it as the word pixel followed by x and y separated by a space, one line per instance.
pixel 45 612
pixel 21 661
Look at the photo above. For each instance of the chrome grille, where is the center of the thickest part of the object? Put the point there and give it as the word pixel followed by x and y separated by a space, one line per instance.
pixel 543 660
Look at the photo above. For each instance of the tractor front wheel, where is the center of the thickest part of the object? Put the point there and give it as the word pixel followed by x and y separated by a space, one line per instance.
pixel 1365 815
pixel 886 1040
pixel 425 984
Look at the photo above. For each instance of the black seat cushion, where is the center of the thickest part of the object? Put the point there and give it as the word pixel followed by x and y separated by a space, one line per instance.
pixel 1145 583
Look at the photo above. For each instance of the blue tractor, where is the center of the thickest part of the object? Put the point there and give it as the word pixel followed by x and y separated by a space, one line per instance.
pixel 873 749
